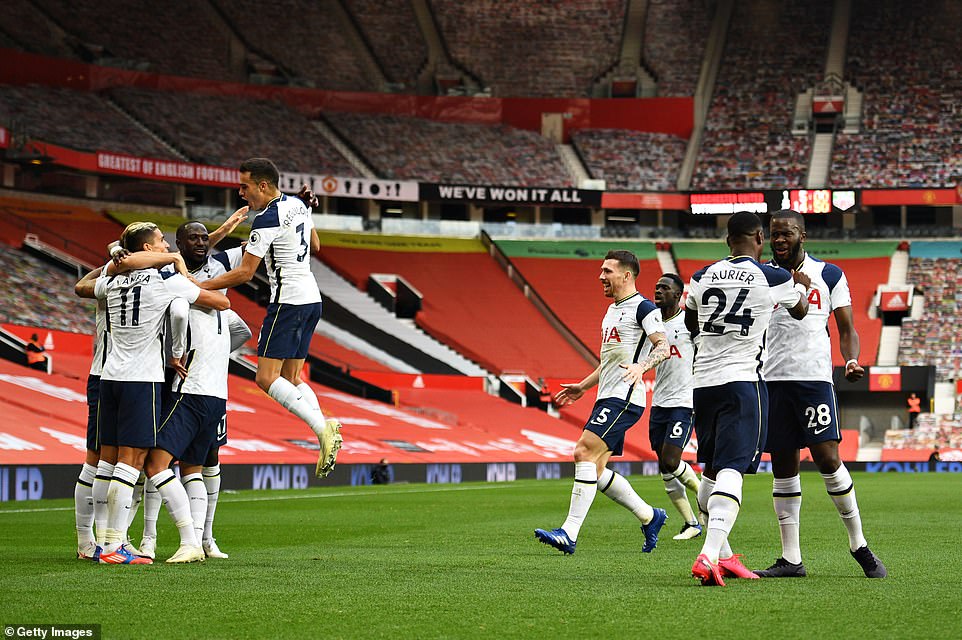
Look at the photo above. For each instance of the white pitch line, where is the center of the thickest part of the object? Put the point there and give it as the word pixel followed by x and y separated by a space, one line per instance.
pixel 227 499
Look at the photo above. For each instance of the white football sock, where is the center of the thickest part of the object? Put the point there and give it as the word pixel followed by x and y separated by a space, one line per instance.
pixel 307 393
pixel 705 489
pixel 723 505
pixel 197 496
pixel 135 501
pixel 679 497
pixel 582 495
pixel 842 491
pixel 152 502
pixel 212 484
pixel 118 504
pixel 787 499
pixel 617 487
pixel 687 476
pixel 101 483
pixel 291 399
pixel 178 505
pixel 83 505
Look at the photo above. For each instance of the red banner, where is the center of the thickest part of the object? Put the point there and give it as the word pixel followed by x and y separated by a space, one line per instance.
pixel 872 197
pixel 833 104
pixel 884 378
pixel 894 300
pixel 167 170
pixel 4 138
pixel 648 201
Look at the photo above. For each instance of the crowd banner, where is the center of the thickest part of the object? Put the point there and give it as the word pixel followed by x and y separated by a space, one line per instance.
pixel 351 187
pixel 546 196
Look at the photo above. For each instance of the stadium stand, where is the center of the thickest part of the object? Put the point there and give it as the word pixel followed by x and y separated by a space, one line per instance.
pixel 674 43
pixel 520 48
pixel 175 37
pixel 416 149
pixel 747 140
pixel 936 337
pixel 222 130
pixel 25 27
pixel 471 305
pixel 392 31
pixel 40 295
pixel 910 124
pixel 303 38
pixel 631 159
pixel 74 119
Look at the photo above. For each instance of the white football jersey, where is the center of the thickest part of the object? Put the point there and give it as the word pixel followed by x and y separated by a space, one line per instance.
pixel 673 376
pixel 624 335
pixel 207 340
pixel 802 349
pixel 100 339
pixel 137 304
pixel 281 235
pixel 734 299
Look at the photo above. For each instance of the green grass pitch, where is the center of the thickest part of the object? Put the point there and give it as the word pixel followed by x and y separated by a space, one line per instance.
pixel 461 561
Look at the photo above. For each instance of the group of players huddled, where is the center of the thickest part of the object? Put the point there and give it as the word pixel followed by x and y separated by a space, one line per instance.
pixel 747 362
pixel 156 308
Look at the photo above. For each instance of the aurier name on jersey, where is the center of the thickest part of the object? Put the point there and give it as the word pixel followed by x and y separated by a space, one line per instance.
pixel 802 349
pixel 207 341
pixel 137 304
pixel 734 299
pixel 624 334
pixel 281 235
pixel 673 376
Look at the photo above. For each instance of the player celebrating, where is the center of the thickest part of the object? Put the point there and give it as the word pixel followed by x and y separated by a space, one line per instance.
pixel 669 425
pixel 630 320
pixel 283 235
pixel 137 303
pixel 728 310
pixel 802 407
pixel 195 424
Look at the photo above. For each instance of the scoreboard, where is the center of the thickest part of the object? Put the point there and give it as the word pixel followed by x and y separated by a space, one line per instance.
pixel 806 201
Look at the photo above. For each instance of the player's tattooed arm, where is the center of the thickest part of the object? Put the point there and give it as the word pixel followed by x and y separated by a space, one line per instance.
pixel 147 260
pixel 659 353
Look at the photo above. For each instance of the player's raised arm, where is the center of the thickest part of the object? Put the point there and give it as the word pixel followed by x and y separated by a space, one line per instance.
pixel 228 226
pixel 85 286
pixel 147 260
pixel 239 275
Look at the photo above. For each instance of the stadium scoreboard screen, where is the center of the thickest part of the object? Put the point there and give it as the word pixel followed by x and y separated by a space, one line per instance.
pixel 807 201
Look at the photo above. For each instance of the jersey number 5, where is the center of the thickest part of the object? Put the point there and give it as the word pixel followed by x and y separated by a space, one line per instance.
pixel 743 319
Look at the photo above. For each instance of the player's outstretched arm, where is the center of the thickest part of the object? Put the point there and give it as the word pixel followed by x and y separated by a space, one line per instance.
pixel 239 275
pixel 228 226
pixel 85 286
pixel 848 343
pixel 212 300
pixel 571 392
pixel 659 353
pixel 147 260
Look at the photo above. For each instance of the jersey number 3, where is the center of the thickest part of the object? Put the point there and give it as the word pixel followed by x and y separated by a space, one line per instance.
pixel 304 245
pixel 743 319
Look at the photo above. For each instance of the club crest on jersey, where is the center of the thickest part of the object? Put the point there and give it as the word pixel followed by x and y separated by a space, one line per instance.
pixel 254 237
pixel 611 335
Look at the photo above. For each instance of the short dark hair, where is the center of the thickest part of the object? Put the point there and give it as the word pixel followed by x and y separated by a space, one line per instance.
pixel 744 223
pixel 136 235
pixel 261 169
pixel 675 279
pixel 790 214
pixel 626 259
pixel 182 229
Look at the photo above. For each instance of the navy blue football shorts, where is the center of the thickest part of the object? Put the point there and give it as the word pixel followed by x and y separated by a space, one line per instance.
pixel 93 405
pixel 610 420
pixel 669 425
pixel 190 427
pixel 731 422
pixel 801 414
pixel 287 330
pixel 129 413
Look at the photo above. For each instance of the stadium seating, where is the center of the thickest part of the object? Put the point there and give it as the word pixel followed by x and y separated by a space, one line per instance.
pixel 469 304
pixel 25 27
pixel 304 38
pixel 748 141
pixel 392 31
pixel 674 44
pixel 520 48
pixel 935 338
pixel 416 149
pixel 74 119
pixel 628 160
pixel 170 37
pixel 910 124
pixel 224 130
